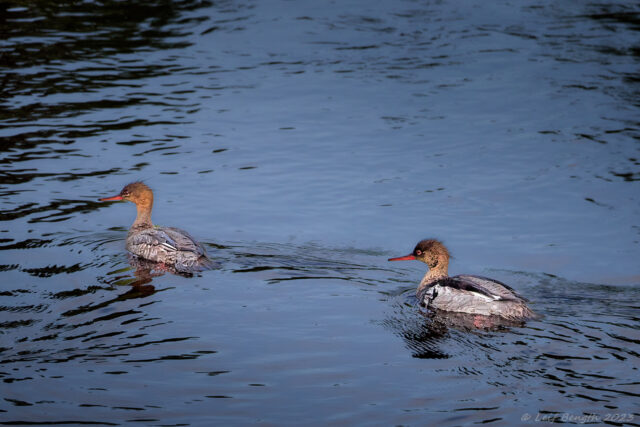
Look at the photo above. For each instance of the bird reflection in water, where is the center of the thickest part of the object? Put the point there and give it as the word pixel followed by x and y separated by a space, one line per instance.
pixel 138 286
pixel 144 273
pixel 140 283
pixel 426 332
pixel 140 280
pixel 470 322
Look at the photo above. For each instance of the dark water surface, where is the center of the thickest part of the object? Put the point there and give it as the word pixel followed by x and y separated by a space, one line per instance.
pixel 304 143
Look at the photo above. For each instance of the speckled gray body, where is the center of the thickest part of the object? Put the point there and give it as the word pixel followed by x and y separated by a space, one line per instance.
pixel 490 298
pixel 168 245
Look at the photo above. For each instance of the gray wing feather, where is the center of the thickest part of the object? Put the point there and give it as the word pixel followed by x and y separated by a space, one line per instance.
pixel 154 245
pixel 183 240
pixel 170 246
pixel 153 238
pixel 492 287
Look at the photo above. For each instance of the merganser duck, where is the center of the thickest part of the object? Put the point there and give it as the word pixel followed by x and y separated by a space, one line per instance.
pixel 173 247
pixel 463 293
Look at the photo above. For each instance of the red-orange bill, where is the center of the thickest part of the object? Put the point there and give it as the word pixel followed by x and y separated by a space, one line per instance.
pixel 403 258
pixel 110 199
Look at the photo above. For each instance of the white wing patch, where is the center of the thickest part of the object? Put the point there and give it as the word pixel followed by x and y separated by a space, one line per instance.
pixel 487 298
pixel 168 246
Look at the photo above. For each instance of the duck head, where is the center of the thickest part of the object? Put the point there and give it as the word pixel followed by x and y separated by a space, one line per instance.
pixel 430 251
pixel 136 192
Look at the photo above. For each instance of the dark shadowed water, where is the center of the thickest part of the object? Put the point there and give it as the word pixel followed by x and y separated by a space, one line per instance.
pixel 304 143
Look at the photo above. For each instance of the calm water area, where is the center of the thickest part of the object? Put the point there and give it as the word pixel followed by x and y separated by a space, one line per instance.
pixel 304 143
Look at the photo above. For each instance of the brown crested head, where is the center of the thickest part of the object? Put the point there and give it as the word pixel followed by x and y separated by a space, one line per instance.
pixel 431 252
pixel 136 192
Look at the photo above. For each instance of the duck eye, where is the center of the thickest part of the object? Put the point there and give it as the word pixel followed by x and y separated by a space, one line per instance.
pixel 418 252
